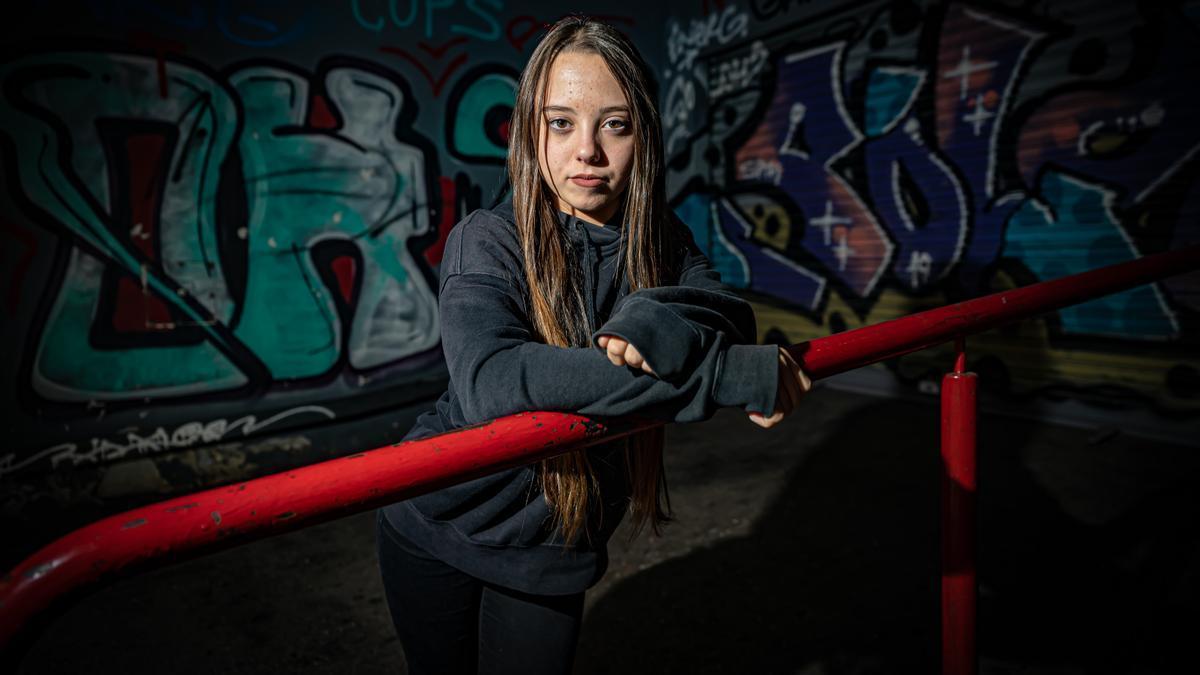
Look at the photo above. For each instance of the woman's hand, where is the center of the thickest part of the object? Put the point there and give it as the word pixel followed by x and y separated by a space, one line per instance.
pixel 793 385
pixel 621 353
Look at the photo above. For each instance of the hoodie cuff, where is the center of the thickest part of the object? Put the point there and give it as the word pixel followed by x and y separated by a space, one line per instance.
pixel 748 378
pixel 669 343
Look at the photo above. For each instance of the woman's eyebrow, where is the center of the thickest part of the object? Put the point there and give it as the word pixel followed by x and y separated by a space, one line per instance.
pixel 603 111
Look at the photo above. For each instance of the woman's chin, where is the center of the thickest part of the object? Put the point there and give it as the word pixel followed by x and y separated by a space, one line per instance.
pixel 596 210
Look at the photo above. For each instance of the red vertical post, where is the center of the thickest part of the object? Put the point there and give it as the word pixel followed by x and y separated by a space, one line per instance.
pixel 958 519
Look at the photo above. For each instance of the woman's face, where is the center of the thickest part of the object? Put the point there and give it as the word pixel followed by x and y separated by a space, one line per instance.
pixel 585 137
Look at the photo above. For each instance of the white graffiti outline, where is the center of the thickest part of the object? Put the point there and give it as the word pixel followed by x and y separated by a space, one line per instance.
pixel 964 218
pixel 1166 175
pixel 184 436
pixel 1035 38
pixel 796 267
pixel 979 116
pixel 1109 200
pixel 737 73
pixel 835 80
pixel 921 77
pixel 714 217
pixel 683 46
pixel 828 220
pixel 843 251
pixel 965 69
pixel 795 117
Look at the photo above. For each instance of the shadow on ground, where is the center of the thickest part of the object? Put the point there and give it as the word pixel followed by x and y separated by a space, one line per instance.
pixel 841 575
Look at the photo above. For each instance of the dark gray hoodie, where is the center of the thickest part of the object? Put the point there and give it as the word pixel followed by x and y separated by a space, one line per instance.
pixel 696 335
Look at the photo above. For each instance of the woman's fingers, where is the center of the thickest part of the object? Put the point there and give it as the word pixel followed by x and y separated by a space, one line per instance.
pixel 616 350
pixel 621 353
pixel 798 381
pixel 766 422
pixel 798 373
pixel 634 359
pixel 804 381
pixel 793 384
pixel 788 390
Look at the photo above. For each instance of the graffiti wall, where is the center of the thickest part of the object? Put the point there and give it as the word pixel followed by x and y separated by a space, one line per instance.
pixel 222 227
pixel 848 163
pixel 222 221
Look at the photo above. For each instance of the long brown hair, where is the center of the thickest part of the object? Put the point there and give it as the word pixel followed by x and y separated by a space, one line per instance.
pixel 555 299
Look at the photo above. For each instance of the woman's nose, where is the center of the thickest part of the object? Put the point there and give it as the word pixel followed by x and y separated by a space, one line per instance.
pixel 588 149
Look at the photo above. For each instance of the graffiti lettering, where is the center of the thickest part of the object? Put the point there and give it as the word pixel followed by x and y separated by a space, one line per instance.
pixel 763 170
pixel 403 14
pixel 739 72
pixel 716 29
pixel 898 171
pixel 103 450
pixel 681 100
pixel 686 86
pixel 327 272
pixel 806 137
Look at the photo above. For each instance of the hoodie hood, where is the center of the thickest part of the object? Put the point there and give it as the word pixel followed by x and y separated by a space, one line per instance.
pixel 608 238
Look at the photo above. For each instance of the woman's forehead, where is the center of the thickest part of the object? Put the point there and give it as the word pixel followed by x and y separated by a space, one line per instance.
pixel 582 78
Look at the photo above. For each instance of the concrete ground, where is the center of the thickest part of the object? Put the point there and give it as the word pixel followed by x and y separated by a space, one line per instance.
pixel 810 549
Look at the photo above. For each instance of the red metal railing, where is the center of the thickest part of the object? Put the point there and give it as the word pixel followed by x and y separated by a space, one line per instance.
pixel 958 518
pixel 214 519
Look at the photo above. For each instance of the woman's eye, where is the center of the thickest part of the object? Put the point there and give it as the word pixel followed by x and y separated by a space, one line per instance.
pixel 559 124
pixel 618 124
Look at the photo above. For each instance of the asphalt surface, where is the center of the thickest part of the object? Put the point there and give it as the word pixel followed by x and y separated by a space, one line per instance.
pixel 809 549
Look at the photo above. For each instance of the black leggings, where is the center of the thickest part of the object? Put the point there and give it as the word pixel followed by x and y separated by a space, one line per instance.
pixel 451 622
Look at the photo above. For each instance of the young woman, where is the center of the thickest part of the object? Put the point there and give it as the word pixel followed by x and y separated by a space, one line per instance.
pixel 582 293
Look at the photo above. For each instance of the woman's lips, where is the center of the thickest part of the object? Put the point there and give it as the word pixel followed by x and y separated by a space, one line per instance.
pixel 587 181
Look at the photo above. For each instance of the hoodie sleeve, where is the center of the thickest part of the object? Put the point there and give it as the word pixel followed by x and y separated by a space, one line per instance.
pixel 671 326
pixel 497 368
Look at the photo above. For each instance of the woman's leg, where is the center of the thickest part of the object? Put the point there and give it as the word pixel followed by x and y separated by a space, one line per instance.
pixel 527 634
pixel 434 606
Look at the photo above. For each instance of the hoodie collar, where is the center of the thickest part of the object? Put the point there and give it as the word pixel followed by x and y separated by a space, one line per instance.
pixel 607 238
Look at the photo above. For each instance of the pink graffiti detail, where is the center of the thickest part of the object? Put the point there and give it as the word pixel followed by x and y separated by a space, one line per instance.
pixel 520 29
pixel 319 114
pixel 435 82
pixel 344 270
pixel 437 51
pixel 136 309
pixel 161 48
pixel 433 254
